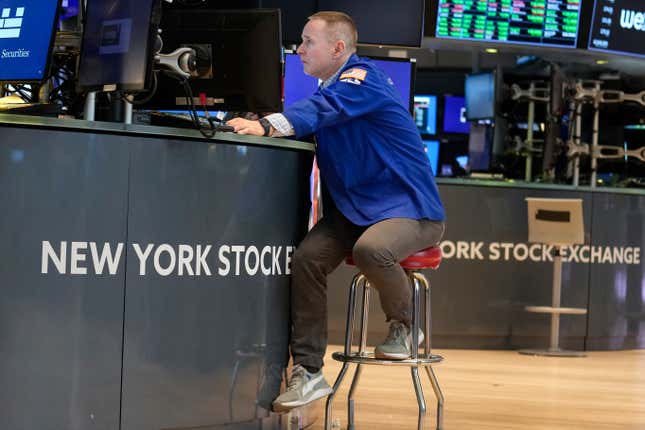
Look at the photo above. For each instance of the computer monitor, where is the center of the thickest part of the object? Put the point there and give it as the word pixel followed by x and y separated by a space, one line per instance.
pixel 480 148
pixel 26 37
pixel 298 85
pixel 383 22
pixel 425 113
pixel 118 41
pixel 480 96
pixel 617 26
pixel 432 151
pixel 69 19
pixel 554 23
pixel 246 55
pixel 454 115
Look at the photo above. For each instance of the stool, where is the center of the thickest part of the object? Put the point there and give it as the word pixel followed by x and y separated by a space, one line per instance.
pixel 427 259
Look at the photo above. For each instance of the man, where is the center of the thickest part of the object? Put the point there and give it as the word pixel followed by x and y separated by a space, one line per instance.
pixel 383 202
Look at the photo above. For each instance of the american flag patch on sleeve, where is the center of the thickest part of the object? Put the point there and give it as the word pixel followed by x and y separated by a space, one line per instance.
pixel 354 73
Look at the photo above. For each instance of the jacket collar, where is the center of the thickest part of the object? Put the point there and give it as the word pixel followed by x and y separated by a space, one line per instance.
pixel 352 58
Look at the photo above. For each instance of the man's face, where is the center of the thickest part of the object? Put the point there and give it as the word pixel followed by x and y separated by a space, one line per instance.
pixel 317 51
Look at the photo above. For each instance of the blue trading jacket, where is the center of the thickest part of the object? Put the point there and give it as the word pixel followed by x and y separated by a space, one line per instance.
pixel 370 154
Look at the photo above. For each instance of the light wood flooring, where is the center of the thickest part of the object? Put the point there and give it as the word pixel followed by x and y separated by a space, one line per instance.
pixel 486 390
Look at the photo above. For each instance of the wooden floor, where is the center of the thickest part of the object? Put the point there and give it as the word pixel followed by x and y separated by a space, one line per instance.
pixel 503 390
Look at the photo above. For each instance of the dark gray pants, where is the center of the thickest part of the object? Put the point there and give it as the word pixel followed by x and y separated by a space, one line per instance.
pixel 376 249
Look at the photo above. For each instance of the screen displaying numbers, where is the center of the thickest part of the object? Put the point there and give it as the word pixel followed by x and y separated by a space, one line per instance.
pixel 534 22
pixel 618 26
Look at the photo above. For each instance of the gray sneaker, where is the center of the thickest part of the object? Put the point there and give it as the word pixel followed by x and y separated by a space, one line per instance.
pixel 303 388
pixel 397 344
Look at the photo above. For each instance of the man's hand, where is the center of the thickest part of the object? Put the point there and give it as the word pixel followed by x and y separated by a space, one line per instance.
pixel 244 126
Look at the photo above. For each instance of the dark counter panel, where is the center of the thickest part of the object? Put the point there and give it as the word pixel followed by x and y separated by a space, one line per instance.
pixel 60 334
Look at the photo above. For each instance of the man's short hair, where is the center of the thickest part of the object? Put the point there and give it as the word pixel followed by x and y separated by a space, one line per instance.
pixel 341 26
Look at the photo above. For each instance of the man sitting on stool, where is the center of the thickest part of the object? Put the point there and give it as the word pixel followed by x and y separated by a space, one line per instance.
pixel 384 204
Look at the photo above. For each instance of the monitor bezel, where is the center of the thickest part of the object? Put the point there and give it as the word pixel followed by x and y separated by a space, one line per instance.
pixel 155 7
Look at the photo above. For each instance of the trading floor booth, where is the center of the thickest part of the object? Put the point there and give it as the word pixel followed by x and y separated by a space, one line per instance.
pixel 145 274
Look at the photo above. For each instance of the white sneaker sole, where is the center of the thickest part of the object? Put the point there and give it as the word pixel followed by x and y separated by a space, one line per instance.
pixel 315 395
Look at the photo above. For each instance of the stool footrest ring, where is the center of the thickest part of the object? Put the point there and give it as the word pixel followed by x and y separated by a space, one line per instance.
pixel 552 310
pixel 368 358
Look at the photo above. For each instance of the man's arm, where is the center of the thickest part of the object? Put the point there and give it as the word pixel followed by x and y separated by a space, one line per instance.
pixel 278 126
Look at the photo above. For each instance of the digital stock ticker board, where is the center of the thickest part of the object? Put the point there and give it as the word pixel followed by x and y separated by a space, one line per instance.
pixel 533 22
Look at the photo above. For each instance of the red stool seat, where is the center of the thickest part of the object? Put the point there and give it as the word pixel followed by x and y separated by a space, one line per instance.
pixel 429 258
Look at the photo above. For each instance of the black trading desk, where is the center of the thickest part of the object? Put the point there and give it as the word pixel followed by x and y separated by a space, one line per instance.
pixel 144 274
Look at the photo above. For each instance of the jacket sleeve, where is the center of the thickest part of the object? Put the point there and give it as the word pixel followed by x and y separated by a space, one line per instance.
pixel 343 100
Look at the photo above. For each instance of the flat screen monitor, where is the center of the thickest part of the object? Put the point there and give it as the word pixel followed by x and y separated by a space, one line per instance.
pixel 69 17
pixel 298 85
pixel 480 96
pixel 548 23
pixel 118 40
pixel 245 47
pixel 425 113
pixel 26 36
pixel 479 148
pixel 294 17
pixel 432 151
pixel 383 22
pixel 617 26
pixel 454 115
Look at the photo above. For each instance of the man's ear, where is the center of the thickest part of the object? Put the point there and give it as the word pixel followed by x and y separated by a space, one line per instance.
pixel 339 47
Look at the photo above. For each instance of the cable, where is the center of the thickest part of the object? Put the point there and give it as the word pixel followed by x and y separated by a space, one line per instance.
pixel 148 97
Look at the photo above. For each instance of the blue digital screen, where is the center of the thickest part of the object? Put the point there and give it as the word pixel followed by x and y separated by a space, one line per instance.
pixel 425 113
pixel 298 85
pixel 454 115
pixel 432 151
pixel 26 31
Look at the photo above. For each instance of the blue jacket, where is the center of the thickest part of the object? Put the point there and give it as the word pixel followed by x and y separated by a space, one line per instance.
pixel 370 154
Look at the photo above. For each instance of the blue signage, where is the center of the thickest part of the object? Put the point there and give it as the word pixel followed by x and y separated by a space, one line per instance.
pixel 26 31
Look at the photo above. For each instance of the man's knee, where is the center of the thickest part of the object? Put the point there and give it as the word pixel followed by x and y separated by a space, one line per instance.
pixel 368 255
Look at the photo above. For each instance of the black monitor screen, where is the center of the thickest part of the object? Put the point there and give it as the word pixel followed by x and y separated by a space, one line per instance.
pixel 618 27
pixel 550 22
pixel 117 44
pixel 246 51
pixel 298 85
pixel 480 96
pixel 26 36
pixel 294 16
pixel 479 148
pixel 383 22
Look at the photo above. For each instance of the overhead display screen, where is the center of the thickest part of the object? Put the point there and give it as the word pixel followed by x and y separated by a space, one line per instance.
pixel 539 22
pixel 618 27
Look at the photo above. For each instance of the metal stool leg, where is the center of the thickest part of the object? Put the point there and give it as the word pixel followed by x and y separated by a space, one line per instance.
pixel 433 379
pixel 415 351
pixel 438 394
pixel 428 313
pixel 420 400
pixel 361 349
pixel 349 334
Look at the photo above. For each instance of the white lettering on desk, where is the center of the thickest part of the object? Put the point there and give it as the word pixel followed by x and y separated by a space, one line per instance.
pixel 89 258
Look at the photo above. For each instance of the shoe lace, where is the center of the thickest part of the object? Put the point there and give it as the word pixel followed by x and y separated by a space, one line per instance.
pixel 397 331
pixel 298 374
